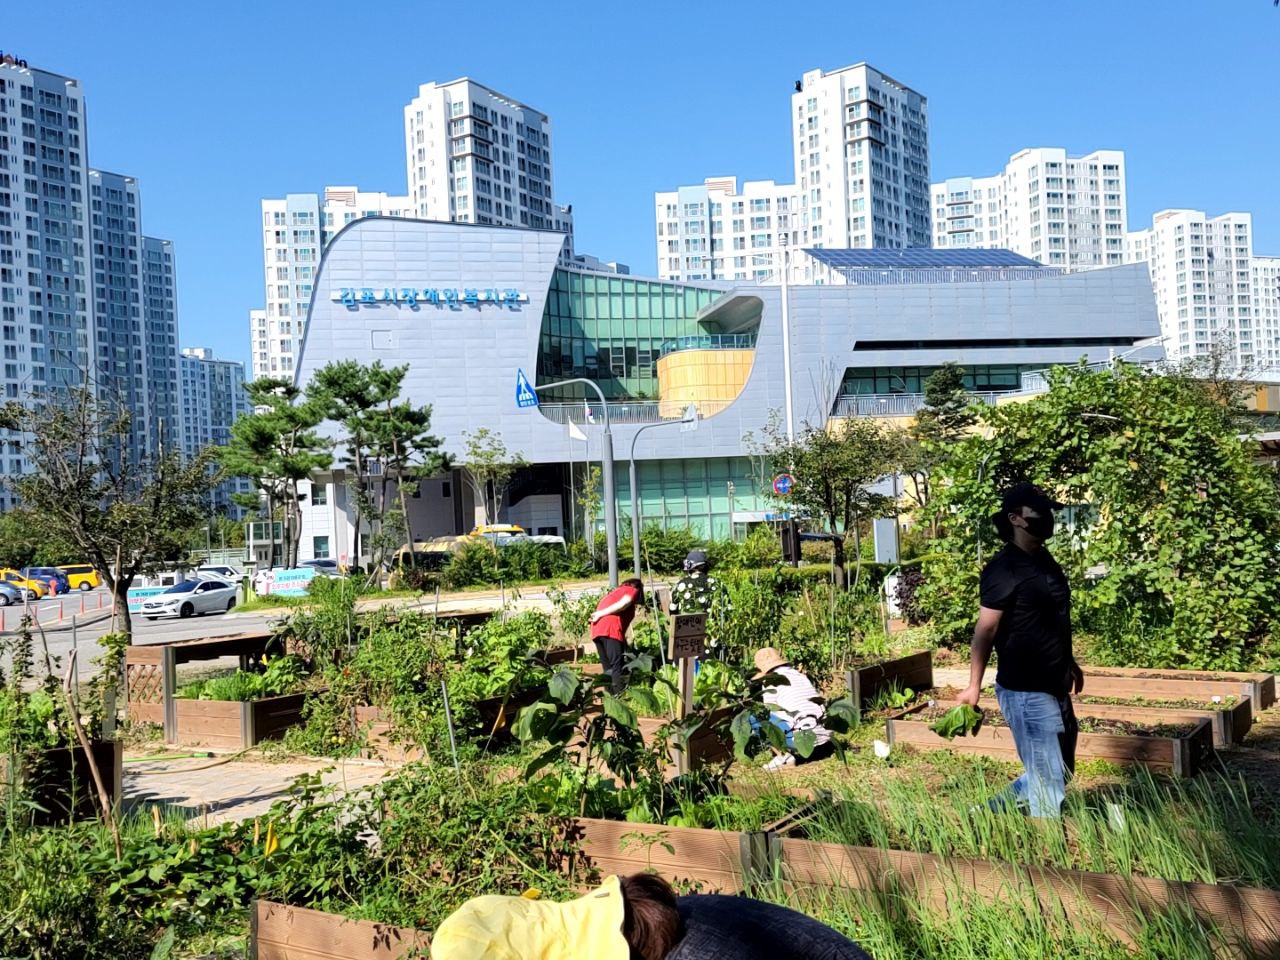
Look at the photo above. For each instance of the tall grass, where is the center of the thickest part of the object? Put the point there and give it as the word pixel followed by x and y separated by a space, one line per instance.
pixel 894 924
pixel 1204 830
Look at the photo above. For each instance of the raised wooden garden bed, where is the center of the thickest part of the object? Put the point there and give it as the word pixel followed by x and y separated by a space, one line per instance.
pixel 704 747
pixel 232 724
pixel 375 723
pixel 1183 756
pixel 703 861
pixel 914 672
pixel 1260 688
pixel 150 669
pixel 280 932
pixel 497 714
pixel 62 785
pixel 1117 903
pixel 572 656
pixel 1230 723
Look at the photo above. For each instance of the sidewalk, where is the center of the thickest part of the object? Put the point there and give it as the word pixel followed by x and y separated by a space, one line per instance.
pixel 217 790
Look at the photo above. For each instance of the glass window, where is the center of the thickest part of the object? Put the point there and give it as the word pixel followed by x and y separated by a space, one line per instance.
pixel 320 548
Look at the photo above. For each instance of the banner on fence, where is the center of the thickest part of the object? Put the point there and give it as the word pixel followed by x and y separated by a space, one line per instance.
pixel 137 594
pixel 289 583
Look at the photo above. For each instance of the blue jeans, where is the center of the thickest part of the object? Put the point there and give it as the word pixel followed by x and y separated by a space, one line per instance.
pixel 1044 731
pixel 778 722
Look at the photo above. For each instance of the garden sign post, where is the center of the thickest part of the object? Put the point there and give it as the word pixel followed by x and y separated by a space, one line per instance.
pixel 688 642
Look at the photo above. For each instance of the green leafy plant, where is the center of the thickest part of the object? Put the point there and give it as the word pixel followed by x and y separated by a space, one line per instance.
pixel 962 720
pixel 280 675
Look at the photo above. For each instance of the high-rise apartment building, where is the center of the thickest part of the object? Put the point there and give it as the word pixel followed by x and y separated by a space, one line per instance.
pixel 73 300
pixel 120 370
pixel 1068 212
pixel 295 230
pixel 1266 311
pixel 213 397
pixel 160 335
pixel 714 231
pixel 1202 271
pixel 46 310
pixel 861 145
pixel 474 155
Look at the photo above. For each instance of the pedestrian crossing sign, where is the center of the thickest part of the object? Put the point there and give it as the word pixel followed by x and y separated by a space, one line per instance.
pixel 525 395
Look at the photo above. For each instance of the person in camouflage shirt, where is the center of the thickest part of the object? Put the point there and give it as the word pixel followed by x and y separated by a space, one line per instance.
pixel 699 592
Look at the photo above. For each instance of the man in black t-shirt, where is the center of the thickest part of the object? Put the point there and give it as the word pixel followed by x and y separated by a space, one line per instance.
pixel 1025 614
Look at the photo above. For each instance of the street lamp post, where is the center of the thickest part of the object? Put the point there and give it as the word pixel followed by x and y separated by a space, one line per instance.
pixel 690 416
pixel 606 459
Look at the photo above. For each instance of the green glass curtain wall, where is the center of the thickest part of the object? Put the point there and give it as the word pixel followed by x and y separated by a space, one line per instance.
pixel 611 329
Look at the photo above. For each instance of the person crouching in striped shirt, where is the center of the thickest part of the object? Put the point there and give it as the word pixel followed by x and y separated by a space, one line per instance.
pixel 795 705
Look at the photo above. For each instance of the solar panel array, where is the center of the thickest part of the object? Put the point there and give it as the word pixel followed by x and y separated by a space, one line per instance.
pixel 917 257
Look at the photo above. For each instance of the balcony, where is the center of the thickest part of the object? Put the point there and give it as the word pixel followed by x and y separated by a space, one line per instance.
pixel 712 341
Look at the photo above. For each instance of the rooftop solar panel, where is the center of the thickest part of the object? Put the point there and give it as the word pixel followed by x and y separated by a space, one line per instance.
pixel 918 257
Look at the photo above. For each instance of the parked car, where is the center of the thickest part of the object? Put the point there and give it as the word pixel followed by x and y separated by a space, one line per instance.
pixel 34 589
pixel 191 597
pixel 81 576
pixel 218 571
pixel 55 577
pixel 9 594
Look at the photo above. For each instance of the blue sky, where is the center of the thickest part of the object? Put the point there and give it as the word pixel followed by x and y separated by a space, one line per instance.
pixel 219 105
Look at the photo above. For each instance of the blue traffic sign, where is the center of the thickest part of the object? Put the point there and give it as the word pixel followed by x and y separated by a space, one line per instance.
pixel 782 484
pixel 525 395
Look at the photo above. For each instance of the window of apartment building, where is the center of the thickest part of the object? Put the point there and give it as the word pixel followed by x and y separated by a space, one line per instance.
pixel 320 548
pixel 320 494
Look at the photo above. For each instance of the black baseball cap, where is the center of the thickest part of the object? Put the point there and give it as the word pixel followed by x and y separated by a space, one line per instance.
pixel 1027 495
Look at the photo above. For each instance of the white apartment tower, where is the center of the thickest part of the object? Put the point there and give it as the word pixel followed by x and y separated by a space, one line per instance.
pixel 295 230
pixel 861 145
pixel 1266 312
pixel 717 232
pixel 1068 212
pixel 474 155
pixel 1202 269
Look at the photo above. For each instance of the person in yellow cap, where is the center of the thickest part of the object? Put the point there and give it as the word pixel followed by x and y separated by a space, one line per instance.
pixel 636 918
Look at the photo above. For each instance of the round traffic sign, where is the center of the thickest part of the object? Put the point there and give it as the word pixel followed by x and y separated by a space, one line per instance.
pixel 782 484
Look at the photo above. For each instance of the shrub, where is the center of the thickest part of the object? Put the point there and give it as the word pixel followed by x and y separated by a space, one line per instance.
pixel 910 579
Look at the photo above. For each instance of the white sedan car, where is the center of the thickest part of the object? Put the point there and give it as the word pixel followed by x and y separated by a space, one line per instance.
pixel 191 596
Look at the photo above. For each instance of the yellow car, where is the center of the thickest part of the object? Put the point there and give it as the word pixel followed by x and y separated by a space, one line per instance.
pixel 81 576
pixel 31 589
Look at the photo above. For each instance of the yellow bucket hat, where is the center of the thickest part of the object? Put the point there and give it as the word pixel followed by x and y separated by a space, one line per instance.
pixel 515 928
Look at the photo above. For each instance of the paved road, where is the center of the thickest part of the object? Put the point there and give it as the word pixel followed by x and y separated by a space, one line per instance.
pixel 62 638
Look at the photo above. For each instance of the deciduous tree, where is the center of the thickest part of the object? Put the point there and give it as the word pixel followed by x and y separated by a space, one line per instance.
pixel 835 474
pixel 123 515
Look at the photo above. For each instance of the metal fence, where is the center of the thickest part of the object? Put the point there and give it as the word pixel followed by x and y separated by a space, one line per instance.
pixel 892 404
pixel 710 341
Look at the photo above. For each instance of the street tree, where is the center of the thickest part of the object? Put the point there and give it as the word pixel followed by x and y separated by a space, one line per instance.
pixel 277 447
pixel 387 441
pixel 125 516
pixel 489 467
pixel 835 475
pixel 945 417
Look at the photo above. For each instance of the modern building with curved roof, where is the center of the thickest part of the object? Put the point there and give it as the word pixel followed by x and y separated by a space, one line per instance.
pixel 470 309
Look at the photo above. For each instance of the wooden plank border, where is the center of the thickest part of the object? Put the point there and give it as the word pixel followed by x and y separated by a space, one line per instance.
pixel 914 671
pixel 280 932
pixel 1119 903
pixel 1182 756
pixel 1259 687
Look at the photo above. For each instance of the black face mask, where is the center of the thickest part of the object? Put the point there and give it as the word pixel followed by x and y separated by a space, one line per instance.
pixel 1040 527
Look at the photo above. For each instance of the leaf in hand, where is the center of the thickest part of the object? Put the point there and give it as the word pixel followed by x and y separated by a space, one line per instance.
pixel 958 721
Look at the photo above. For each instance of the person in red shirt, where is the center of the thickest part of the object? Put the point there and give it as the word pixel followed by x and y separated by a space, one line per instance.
pixel 609 623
